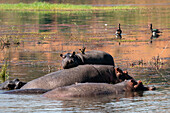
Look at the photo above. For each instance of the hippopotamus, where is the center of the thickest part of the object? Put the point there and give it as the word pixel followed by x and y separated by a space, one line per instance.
pixel 70 60
pixel 87 90
pixel 94 89
pixel 12 84
pixel 79 74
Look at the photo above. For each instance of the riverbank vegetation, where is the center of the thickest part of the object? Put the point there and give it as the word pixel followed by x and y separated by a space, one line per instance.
pixel 43 6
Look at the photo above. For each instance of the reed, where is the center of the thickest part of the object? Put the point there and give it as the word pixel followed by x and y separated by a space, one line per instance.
pixel 43 6
pixel 3 73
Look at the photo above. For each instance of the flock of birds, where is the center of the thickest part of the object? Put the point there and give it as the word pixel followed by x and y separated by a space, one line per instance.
pixel 155 32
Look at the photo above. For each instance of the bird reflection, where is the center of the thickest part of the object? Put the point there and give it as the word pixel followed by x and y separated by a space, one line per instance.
pixel 118 36
pixel 154 37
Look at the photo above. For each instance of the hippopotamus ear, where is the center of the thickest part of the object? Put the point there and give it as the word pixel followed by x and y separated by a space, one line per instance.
pixel 134 82
pixel 119 74
pixel 118 70
pixel 61 55
pixel 125 73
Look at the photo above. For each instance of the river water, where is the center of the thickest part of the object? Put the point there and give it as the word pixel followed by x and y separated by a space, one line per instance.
pixel 43 36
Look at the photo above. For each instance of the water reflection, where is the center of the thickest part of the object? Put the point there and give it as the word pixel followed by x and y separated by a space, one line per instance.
pixel 102 98
pixel 154 37
pixel 45 22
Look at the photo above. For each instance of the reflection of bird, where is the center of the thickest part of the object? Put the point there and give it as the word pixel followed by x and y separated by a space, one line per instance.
pixel 154 31
pixel 154 37
pixel 118 31
pixel 118 36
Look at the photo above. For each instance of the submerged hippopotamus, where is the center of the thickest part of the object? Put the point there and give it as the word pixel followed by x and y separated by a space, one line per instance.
pixel 87 90
pixel 12 84
pixel 95 89
pixel 79 74
pixel 70 60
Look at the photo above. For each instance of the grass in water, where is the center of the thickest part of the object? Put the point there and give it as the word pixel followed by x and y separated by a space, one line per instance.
pixel 43 6
pixel 3 73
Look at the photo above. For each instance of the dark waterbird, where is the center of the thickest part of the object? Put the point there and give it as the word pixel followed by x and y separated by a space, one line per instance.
pixel 118 31
pixel 154 31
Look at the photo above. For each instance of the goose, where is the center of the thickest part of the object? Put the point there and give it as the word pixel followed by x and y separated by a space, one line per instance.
pixel 154 31
pixel 118 31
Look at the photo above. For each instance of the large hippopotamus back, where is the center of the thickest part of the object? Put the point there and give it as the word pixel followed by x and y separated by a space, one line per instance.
pixel 90 57
pixel 79 74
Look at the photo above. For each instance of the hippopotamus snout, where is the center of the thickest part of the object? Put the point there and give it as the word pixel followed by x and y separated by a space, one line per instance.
pixel 140 87
pixel 68 62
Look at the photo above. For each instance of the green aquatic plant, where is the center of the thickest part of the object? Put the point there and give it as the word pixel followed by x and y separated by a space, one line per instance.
pixel 43 6
pixel 4 73
pixel 153 66
pixel 146 82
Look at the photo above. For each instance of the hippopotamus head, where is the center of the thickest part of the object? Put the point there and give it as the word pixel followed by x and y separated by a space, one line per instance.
pixel 69 60
pixel 133 85
pixel 140 87
pixel 122 75
pixel 13 84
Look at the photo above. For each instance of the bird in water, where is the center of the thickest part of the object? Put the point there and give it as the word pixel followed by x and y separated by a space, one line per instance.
pixel 118 32
pixel 154 31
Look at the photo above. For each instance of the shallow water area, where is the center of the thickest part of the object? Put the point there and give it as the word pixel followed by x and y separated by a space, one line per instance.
pixel 43 36
pixel 151 101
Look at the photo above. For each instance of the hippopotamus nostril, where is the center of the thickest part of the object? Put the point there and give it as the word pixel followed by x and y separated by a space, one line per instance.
pixel 71 61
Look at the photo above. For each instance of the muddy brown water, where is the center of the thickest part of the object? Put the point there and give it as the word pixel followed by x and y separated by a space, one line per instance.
pixel 43 36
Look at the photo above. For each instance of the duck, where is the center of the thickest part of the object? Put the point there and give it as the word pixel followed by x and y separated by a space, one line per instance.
pixel 154 31
pixel 118 31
